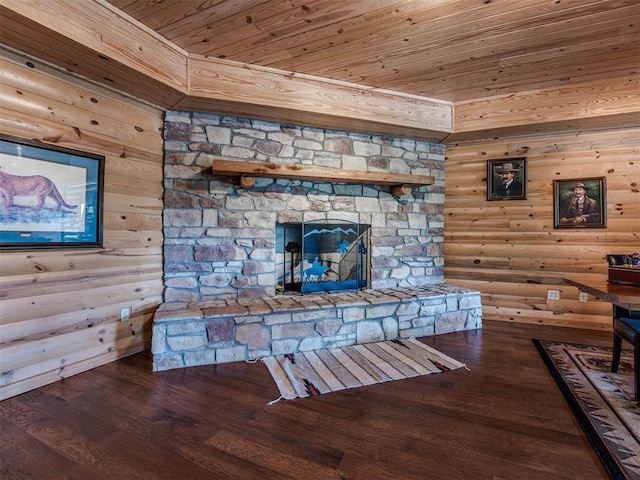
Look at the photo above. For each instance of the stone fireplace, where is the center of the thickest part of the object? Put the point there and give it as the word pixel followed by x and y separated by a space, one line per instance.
pixel 225 261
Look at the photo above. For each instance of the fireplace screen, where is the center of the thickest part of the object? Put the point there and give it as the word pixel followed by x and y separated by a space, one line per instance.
pixel 319 256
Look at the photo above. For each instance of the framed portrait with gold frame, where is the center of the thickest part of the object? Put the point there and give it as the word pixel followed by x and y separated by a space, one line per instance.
pixel 580 203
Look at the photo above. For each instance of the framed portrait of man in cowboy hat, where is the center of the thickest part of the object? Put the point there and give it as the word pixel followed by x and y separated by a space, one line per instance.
pixel 580 203
pixel 507 179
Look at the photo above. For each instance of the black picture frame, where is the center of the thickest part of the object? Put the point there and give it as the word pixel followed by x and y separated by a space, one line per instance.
pixel 590 212
pixel 516 188
pixel 50 197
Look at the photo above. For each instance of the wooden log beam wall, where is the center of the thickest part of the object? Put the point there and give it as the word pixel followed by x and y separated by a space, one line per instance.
pixel 275 95
pixel 509 249
pixel 608 103
pixel 96 40
pixel 61 308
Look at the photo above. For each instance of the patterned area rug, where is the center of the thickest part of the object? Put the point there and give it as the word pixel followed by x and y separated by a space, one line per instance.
pixel 307 374
pixel 602 401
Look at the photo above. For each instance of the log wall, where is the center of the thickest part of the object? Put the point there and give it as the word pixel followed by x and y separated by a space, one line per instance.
pixel 60 309
pixel 509 249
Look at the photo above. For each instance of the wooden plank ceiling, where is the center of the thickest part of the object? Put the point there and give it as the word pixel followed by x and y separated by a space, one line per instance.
pixel 452 50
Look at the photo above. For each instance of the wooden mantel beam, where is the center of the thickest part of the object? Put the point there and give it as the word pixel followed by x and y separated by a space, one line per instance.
pixel 245 172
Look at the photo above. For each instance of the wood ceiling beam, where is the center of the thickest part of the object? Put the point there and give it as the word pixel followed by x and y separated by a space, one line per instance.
pixel 609 103
pixel 97 41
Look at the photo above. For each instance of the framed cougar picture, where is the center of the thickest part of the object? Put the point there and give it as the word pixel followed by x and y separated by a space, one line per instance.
pixel 507 179
pixel 50 197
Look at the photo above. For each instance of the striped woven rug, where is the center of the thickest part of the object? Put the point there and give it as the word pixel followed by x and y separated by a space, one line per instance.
pixel 307 374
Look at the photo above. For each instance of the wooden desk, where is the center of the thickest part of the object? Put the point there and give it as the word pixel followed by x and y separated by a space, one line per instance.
pixel 625 297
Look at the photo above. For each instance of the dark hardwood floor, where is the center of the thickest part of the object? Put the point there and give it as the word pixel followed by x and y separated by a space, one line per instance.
pixel 504 418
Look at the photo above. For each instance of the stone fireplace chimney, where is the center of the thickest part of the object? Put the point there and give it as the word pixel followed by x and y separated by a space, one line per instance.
pixel 220 239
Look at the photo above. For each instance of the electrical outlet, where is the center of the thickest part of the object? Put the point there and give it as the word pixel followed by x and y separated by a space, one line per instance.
pixel 553 294
pixel 125 313
pixel 582 297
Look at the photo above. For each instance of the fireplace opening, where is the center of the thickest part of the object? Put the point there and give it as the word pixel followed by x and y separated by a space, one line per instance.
pixel 321 256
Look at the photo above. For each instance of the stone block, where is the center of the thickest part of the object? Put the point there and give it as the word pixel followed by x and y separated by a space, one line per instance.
pixel 398 165
pixel 182 314
pixel 401 272
pixel 293 330
pixel 381 311
pixel 260 353
pixel 281 347
pixel 158 340
pixel 260 219
pixel 262 254
pixel 231 354
pixel 252 267
pixel 172 307
pixel 408 308
pixel 366 148
pixel 185 342
pixel 277 318
pixel 216 311
pixel 180 295
pixel 218 280
pixel 313 343
pixel 181 282
pixel 185 328
pixel 369 331
pixel 328 326
pixel 470 301
pixel 253 335
pixel 450 322
pixel 220 330
pixel 174 199
pixel 182 217
pixel 220 135
pixel 432 307
pixel 390 328
pixel 238 152
pixel 209 218
pixel 348 330
pixel 307 144
pixel 353 314
pixel 426 331
pixel 161 363
pixel 452 303
pixel 423 321
pixel 218 253
pixel 313 313
pixel 200 357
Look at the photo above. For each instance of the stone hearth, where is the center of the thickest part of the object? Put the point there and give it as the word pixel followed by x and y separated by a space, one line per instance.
pixel 190 334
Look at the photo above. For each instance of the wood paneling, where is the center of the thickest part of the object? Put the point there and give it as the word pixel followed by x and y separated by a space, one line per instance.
pixel 454 50
pixel 298 96
pixel 385 67
pixel 618 99
pixel 509 249
pixel 61 308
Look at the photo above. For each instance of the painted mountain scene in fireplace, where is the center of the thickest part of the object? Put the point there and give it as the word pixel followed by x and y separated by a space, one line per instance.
pixel 318 256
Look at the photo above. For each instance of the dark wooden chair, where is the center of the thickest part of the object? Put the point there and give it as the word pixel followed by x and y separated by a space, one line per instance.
pixel 627 329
